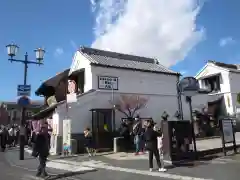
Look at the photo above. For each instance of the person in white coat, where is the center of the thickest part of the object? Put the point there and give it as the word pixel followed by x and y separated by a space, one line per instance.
pixel 160 147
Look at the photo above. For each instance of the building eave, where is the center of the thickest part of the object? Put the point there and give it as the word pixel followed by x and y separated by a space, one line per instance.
pixel 209 64
pixel 132 69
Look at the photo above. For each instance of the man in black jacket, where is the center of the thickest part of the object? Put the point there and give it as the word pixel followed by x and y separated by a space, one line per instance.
pixel 152 145
pixel 42 149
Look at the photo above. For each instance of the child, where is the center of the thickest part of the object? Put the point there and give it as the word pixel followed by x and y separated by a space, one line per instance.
pixel 160 147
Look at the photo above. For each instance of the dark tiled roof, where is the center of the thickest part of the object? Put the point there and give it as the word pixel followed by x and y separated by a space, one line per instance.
pixel 117 60
pixel 47 87
pixel 230 67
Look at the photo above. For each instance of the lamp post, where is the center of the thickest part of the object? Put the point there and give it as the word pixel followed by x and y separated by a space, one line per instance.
pixel 113 108
pixel 189 87
pixel 12 50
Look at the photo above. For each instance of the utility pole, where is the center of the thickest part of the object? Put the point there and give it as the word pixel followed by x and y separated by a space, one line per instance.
pixel 12 50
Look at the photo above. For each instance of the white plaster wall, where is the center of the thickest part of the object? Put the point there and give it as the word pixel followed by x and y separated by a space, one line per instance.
pixel 138 82
pixel 234 82
pixel 61 111
pixel 79 61
pixel 211 69
pixel 235 89
pixel 81 116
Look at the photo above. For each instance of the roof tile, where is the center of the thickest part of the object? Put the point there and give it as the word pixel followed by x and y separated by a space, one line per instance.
pixel 113 59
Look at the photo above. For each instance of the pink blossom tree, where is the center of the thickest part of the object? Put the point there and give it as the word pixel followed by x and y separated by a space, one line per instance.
pixel 129 104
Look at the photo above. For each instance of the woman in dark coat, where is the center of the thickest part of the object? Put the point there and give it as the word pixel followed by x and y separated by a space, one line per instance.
pixel 4 138
pixel 152 145
pixel 42 149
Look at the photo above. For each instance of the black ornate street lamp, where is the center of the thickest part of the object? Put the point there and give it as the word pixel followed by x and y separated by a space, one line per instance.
pixel 12 50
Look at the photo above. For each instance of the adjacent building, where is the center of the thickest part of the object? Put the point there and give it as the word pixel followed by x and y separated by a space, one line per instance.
pixel 221 80
pixel 10 112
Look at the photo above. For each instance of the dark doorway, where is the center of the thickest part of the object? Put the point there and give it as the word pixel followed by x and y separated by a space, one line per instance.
pixel 79 77
pixel 102 128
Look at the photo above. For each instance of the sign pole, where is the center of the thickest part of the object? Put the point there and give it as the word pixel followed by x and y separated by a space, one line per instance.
pixel 23 119
pixel 223 139
pixel 189 86
pixel 189 99
pixel 228 134
pixel 234 138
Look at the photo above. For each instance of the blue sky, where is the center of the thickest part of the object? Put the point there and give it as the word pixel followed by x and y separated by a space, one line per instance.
pixel 62 26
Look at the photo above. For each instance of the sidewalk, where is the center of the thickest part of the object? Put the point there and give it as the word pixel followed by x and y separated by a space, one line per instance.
pixel 215 143
pixel 206 146
pixel 30 163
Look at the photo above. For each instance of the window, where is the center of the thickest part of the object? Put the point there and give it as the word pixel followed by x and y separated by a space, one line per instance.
pixel 212 83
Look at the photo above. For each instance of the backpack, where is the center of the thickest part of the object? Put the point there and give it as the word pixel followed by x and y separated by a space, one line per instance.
pixel 135 129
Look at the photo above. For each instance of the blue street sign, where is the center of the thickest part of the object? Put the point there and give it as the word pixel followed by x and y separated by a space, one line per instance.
pixel 24 90
pixel 23 101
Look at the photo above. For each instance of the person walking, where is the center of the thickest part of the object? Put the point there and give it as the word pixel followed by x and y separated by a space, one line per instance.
pixel 42 150
pixel 152 145
pixel 3 138
pixel 160 146
pixel 11 136
pixel 138 132
pixel 89 142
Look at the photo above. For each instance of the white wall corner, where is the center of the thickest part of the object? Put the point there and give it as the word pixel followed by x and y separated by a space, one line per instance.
pixel 74 63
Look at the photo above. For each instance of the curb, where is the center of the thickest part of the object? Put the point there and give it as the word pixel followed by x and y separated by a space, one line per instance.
pixel 215 151
pixel 53 157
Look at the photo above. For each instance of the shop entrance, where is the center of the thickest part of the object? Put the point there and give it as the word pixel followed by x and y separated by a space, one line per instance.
pixel 102 123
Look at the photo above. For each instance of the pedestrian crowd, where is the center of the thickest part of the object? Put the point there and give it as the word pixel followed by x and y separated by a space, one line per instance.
pixel 147 138
pixel 39 141
pixel 9 136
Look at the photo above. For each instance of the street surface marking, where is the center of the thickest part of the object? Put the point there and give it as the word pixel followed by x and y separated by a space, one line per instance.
pixel 101 165
pixel 30 177
pixel 68 167
pixel 227 160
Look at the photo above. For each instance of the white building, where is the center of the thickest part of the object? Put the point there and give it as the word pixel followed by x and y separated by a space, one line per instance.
pixel 222 80
pixel 103 77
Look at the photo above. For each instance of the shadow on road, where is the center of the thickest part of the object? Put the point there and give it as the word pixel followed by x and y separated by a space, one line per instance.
pixel 68 174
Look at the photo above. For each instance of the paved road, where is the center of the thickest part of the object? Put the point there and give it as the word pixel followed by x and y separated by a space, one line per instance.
pixel 8 172
pixel 220 168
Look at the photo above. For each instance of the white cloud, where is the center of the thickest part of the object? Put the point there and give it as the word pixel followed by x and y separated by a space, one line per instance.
pixel 59 51
pixel 226 41
pixel 183 72
pixel 163 29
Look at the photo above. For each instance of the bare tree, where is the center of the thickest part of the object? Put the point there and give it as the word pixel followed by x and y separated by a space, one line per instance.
pixel 129 104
